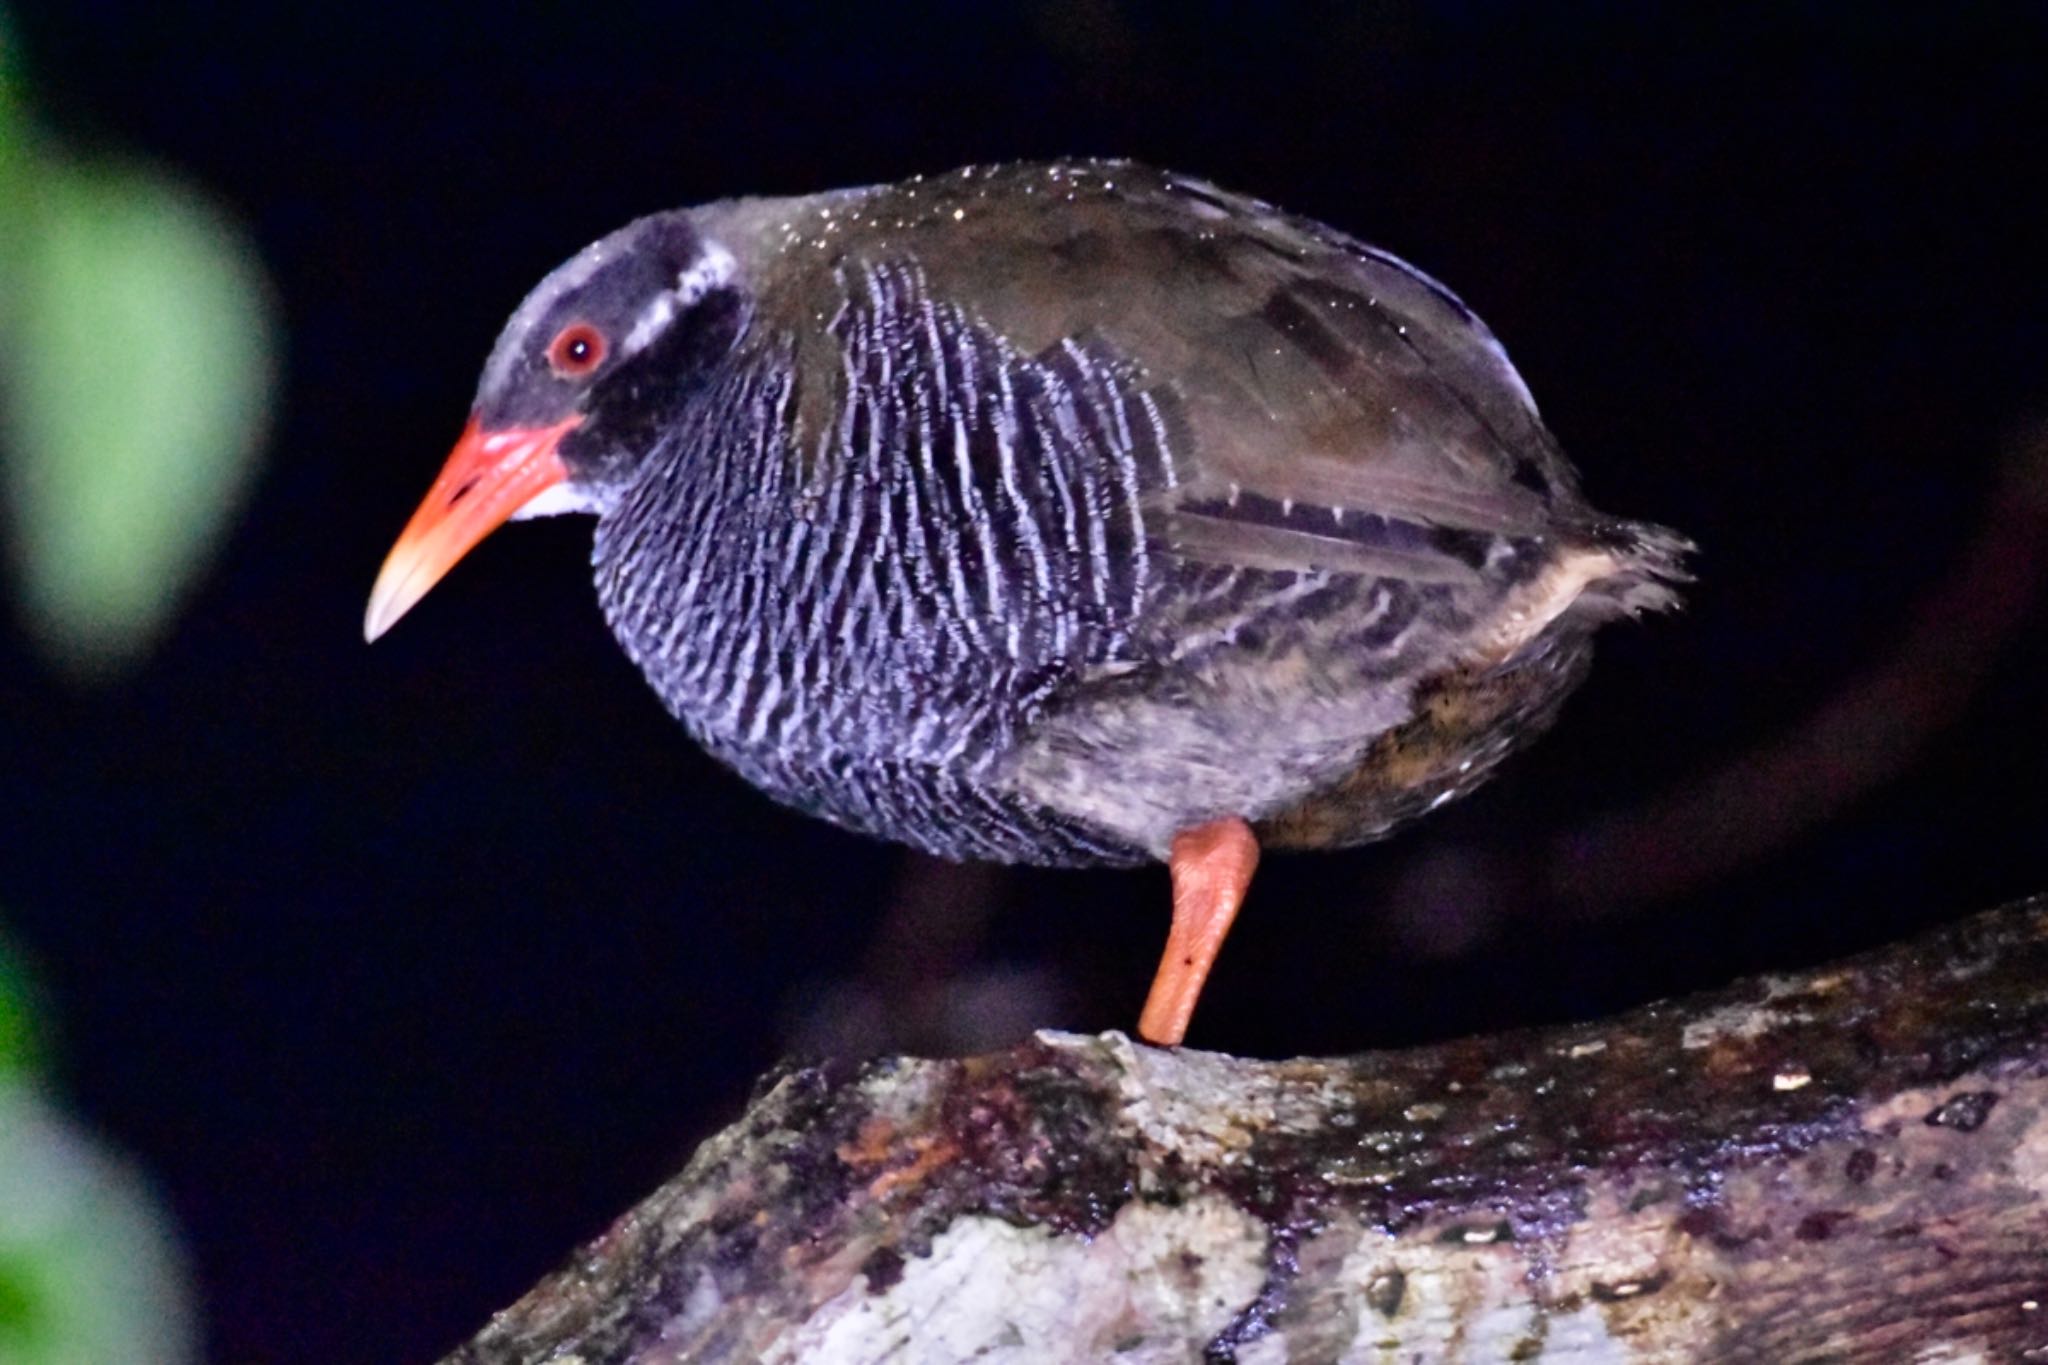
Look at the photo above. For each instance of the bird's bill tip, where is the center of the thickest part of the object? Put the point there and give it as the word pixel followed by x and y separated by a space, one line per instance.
pixel 489 476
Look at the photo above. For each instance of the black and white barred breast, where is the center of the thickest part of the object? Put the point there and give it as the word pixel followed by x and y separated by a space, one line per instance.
pixel 863 624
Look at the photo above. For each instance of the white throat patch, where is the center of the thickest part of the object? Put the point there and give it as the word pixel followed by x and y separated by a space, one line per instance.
pixel 553 502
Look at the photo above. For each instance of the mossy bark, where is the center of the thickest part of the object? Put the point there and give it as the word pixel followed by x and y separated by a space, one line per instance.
pixel 1845 1165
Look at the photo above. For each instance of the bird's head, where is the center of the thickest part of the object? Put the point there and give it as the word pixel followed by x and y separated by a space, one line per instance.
pixel 572 396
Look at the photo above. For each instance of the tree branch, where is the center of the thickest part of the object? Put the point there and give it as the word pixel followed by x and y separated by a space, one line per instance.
pixel 1848 1164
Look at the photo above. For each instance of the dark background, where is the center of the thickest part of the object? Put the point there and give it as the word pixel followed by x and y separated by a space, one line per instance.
pixel 405 969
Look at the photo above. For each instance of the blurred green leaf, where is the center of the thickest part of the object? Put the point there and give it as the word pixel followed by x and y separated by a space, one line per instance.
pixel 18 1045
pixel 14 161
pixel 89 1273
pixel 137 377
pixel 12 133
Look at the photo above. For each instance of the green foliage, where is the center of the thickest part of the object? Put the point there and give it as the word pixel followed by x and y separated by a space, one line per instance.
pixel 89 1271
pixel 89 1274
pixel 135 384
pixel 17 1035
pixel 135 345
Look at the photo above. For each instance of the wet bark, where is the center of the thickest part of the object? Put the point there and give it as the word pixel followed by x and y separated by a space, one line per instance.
pixel 1848 1164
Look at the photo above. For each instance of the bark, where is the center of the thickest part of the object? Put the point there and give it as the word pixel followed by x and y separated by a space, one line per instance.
pixel 1844 1165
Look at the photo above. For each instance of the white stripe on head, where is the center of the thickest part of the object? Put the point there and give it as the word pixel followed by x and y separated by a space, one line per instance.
pixel 709 271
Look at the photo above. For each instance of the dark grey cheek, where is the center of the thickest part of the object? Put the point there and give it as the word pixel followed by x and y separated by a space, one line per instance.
pixel 599 462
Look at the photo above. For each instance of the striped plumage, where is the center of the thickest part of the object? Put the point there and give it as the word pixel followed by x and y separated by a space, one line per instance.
pixel 863 624
pixel 1048 512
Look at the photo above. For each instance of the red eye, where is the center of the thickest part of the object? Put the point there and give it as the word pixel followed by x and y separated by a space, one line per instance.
pixel 576 350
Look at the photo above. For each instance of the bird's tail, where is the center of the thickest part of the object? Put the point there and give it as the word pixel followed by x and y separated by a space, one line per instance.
pixel 1648 567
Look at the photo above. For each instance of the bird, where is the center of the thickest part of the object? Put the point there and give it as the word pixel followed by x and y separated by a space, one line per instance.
pixel 1063 513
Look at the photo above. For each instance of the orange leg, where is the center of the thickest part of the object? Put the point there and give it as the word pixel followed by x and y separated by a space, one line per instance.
pixel 1212 865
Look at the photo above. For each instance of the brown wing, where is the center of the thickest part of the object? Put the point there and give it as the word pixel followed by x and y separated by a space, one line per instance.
pixel 1341 410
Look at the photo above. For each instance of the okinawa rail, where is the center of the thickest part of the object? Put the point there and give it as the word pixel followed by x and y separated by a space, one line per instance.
pixel 1064 513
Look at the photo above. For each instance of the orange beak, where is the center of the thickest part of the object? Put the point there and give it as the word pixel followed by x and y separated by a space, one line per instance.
pixel 489 476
